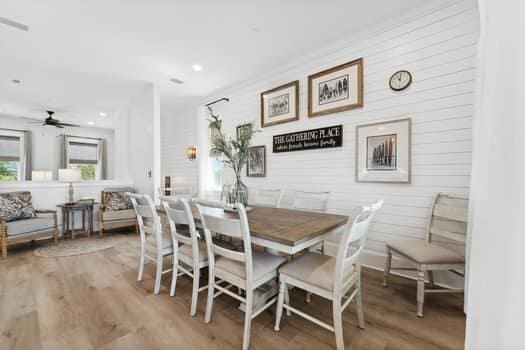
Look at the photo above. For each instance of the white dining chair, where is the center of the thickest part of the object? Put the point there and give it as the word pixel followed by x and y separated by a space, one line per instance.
pixel 189 253
pixel 311 201
pixel 448 221
pixel 245 269
pixel 153 244
pixel 336 279
pixel 264 198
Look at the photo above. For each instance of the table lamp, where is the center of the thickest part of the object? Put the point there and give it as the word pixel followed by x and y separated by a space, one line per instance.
pixel 41 175
pixel 69 175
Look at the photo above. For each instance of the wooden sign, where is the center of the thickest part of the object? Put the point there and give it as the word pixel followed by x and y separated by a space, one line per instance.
pixel 328 137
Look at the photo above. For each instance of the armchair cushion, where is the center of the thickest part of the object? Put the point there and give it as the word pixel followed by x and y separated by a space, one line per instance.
pixel 16 206
pixel 112 215
pixel 20 227
pixel 116 200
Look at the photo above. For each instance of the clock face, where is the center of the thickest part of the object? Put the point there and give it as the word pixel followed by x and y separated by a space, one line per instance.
pixel 400 80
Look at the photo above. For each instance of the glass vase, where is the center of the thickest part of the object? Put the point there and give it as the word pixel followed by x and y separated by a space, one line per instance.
pixel 238 193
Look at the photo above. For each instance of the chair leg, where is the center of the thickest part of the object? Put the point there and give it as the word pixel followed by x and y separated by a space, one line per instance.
pixel 359 305
pixel 338 323
pixel 431 278
pixel 279 311
pixel 308 297
pixel 420 292
pixel 3 243
pixel 195 292
pixel 388 264
pixel 158 275
pixel 287 299
pixel 247 320
pixel 211 291
pixel 141 264
pixel 174 275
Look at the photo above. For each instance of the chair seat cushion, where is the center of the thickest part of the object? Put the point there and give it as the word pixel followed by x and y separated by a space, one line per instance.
pixel 263 263
pixel 425 253
pixel 186 253
pixel 314 269
pixel 113 215
pixel 20 227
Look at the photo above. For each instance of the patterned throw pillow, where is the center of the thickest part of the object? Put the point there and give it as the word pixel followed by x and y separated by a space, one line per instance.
pixel 117 201
pixel 16 206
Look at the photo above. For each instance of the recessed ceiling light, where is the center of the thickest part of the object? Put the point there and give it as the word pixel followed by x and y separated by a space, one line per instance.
pixel 102 114
pixel 91 122
pixel 15 81
pixel 197 67
pixel 176 81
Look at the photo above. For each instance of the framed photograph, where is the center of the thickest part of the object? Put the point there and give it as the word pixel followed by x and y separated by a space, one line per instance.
pixel 256 166
pixel 336 89
pixel 280 105
pixel 383 151
pixel 239 129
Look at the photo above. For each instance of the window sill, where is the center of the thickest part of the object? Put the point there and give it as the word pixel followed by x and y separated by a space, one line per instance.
pixel 58 184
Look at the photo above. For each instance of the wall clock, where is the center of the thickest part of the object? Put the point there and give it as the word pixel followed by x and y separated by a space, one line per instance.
pixel 400 80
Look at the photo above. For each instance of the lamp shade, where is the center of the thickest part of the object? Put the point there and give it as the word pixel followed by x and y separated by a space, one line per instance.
pixel 69 175
pixel 41 175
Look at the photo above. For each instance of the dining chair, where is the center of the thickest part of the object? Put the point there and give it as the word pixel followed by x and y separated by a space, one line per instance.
pixel 245 269
pixel 448 222
pixel 311 201
pixel 336 279
pixel 189 251
pixel 152 241
pixel 264 198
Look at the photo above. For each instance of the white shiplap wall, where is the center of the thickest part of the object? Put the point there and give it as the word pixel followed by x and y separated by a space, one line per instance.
pixel 437 44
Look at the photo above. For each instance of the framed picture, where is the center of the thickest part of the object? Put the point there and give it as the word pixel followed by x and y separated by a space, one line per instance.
pixel 256 166
pixel 280 105
pixel 383 151
pixel 336 89
pixel 239 129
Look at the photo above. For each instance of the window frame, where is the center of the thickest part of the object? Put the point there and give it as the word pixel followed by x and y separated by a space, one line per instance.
pixel 88 142
pixel 21 157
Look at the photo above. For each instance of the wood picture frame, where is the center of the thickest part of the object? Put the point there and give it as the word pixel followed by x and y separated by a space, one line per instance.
pixel 280 105
pixel 257 167
pixel 370 143
pixel 345 92
pixel 239 128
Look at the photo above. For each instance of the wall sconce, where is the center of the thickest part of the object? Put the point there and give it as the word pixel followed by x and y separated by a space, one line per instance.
pixel 191 153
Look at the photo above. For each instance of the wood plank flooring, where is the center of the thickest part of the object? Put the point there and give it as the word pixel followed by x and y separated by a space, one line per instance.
pixel 93 301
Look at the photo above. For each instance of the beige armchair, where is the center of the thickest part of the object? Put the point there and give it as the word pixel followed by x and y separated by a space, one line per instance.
pixel 33 224
pixel 116 210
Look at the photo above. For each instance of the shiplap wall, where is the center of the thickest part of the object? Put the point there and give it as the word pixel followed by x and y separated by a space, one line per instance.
pixel 437 44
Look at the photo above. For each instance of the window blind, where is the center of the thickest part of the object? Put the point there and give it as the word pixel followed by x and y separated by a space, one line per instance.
pixel 82 153
pixel 9 148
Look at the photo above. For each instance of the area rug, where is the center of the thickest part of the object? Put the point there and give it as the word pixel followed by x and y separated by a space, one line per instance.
pixel 78 246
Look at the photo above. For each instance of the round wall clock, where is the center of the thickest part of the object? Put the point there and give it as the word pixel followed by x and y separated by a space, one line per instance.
pixel 400 80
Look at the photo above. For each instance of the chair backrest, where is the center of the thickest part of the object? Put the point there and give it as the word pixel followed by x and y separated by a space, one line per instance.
pixel 225 192
pixel 215 220
pixel 264 198
pixel 448 219
pixel 147 217
pixel 355 231
pixel 178 212
pixel 312 201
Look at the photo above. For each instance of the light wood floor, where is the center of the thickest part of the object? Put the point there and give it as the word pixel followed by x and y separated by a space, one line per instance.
pixel 93 301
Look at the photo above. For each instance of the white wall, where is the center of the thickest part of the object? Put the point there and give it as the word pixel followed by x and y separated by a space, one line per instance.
pixel 46 145
pixel 438 45
pixel 144 140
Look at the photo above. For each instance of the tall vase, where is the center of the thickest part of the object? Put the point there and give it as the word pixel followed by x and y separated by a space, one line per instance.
pixel 238 192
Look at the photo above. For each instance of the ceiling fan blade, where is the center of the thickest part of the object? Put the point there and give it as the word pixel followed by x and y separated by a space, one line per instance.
pixel 67 124
pixel 58 126
pixel 14 24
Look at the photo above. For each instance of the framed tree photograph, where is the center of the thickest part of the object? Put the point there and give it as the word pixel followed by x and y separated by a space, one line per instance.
pixel 383 151
pixel 280 105
pixel 239 129
pixel 256 166
pixel 336 89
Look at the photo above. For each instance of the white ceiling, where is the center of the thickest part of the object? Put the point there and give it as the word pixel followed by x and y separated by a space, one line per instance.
pixel 85 56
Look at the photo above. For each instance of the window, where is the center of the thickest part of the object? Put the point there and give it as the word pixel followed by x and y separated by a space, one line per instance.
pixel 83 155
pixel 217 173
pixel 10 158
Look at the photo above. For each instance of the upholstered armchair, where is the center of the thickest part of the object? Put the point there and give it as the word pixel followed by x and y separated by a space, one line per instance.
pixel 20 222
pixel 116 210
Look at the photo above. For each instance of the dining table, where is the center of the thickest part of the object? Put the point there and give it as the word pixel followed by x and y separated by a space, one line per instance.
pixel 279 231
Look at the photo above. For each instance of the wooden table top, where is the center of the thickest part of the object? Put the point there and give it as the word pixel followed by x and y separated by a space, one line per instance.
pixel 285 226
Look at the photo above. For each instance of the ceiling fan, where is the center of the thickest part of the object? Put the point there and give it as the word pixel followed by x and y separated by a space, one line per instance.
pixel 50 121
pixel 14 24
